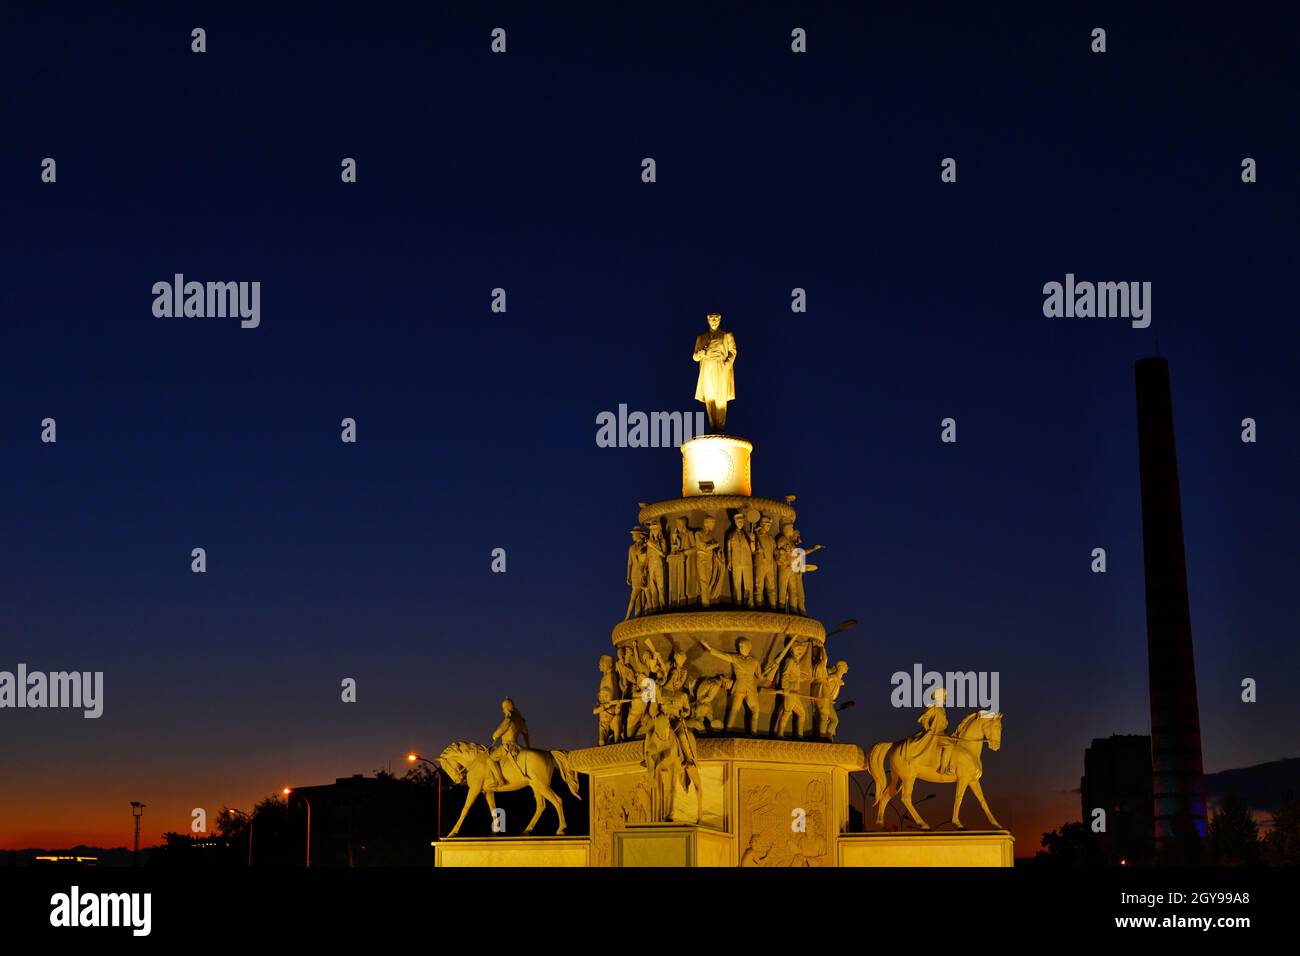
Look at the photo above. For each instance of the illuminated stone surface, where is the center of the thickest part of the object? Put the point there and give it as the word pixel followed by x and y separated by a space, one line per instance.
pixel 933 848
pixel 513 851
pixel 719 460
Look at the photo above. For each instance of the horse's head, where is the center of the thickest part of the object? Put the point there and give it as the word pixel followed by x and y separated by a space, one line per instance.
pixel 456 758
pixel 992 728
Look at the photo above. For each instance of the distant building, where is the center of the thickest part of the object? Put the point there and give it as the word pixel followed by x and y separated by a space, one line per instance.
pixel 369 821
pixel 64 859
pixel 1117 779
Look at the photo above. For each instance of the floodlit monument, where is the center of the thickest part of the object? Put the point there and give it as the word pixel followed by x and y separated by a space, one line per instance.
pixel 716 710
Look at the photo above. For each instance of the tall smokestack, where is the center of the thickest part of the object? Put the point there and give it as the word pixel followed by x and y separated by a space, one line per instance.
pixel 1178 780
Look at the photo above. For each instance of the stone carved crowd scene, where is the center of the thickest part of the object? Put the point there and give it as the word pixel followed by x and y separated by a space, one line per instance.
pixel 672 566
pixel 640 686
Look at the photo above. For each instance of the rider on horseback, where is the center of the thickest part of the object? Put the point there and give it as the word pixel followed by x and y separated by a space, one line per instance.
pixel 512 728
pixel 934 720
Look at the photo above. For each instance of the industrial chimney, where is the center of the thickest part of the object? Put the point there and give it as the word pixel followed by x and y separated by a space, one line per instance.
pixel 1178 781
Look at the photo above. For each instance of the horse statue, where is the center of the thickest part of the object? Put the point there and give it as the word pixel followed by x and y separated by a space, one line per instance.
pixel 967 741
pixel 468 763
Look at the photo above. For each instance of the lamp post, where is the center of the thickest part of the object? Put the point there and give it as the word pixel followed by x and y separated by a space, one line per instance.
pixel 249 818
pixel 845 625
pixel 437 772
pixel 302 796
pixel 137 811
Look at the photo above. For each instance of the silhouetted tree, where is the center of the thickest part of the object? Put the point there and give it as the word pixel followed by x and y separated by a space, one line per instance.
pixel 1072 844
pixel 1232 838
pixel 1282 844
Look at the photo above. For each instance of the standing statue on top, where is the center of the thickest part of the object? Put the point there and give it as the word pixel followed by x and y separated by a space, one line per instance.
pixel 715 350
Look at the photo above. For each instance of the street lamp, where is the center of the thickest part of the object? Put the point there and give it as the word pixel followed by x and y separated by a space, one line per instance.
pixel 437 772
pixel 843 626
pixel 249 818
pixel 137 811
pixel 302 796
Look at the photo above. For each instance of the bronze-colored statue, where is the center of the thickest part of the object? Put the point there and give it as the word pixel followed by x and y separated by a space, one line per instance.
pixel 740 560
pixel 608 705
pixel 470 764
pixel 706 691
pixel 655 552
pixel 785 586
pixel 765 564
pixel 790 568
pixel 715 351
pixel 930 744
pixel 792 706
pixel 679 546
pixel 669 754
pixel 641 688
pixel 636 573
pixel 828 690
pixel 674 675
pixel 746 670
pixel 894 771
pixel 710 569
pixel 511 730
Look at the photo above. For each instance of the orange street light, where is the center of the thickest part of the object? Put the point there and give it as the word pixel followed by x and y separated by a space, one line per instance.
pixel 288 790
pixel 412 757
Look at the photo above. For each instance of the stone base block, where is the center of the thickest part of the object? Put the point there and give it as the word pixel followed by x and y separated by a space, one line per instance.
pixel 942 848
pixel 670 844
pixel 513 851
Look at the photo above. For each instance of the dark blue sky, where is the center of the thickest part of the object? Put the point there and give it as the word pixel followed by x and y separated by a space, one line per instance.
pixel 477 430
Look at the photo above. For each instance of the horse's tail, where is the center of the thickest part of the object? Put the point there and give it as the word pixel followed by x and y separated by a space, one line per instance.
pixel 566 771
pixel 876 764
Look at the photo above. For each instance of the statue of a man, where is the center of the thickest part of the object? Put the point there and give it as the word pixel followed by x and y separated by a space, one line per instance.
pixel 828 691
pixel 715 350
pixel 934 721
pixel 746 672
pixel 511 730
pixel 710 568
pixel 637 567
pixel 608 705
pixel 740 559
pixel 656 550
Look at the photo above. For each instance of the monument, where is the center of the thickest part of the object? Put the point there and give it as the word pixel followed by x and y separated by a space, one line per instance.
pixel 717 711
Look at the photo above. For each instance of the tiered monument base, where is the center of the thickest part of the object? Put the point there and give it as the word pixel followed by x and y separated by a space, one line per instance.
pixel 764 802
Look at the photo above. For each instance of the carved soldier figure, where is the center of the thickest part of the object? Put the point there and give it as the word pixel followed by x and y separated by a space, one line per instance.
pixel 827 692
pixel 708 562
pixel 745 670
pixel 715 351
pixel 675 675
pixel 792 701
pixel 511 730
pixel 740 560
pixel 785 545
pixel 643 689
pixel 636 573
pixel 765 564
pixel 799 566
pixel 608 704
pixel 706 691
pixel 679 543
pixel 655 551
pixel 625 671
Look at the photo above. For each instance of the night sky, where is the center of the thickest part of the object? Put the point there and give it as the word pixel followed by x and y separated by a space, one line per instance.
pixel 477 430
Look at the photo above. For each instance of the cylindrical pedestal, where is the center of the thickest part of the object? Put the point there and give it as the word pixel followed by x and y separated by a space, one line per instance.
pixel 715 465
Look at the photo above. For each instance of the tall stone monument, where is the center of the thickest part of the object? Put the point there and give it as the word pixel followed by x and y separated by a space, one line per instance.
pixel 716 711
